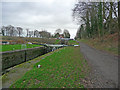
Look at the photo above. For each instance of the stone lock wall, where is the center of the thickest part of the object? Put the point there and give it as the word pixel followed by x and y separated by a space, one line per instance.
pixel 12 58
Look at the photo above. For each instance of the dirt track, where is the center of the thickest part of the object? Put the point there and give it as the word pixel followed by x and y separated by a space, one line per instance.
pixel 104 68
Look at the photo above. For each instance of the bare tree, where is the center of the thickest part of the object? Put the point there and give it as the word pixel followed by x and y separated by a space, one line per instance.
pixel 58 31
pixel 20 31
pixel 10 30
pixel 3 30
pixel 119 15
pixel 31 33
pixel 27 32
pixel 66 33
pixel 45 34
pixel 99 17
pixel 36 33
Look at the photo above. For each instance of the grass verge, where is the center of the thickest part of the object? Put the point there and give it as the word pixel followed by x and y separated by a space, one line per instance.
pixel 57 41
pixel 72 42
pixel 17 47
pixel 109 46
pixel 18 71
pixel 62 69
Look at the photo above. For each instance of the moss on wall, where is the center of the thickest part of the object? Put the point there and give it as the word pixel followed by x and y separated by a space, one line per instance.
pixel 12 58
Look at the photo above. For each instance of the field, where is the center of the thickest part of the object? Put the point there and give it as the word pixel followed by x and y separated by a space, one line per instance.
pixel 63 69
pixel 17 47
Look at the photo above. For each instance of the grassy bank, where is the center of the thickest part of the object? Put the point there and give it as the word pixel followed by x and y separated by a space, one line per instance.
pixel 57 41
pixel 64 68
pixel 18 71
pixel 29 39
pixel 72 42
pixel 17 47
pixel 108 44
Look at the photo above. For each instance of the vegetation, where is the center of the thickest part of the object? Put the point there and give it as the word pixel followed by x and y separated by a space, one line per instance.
pixel 72 42
pixel 98 18
pixel 56 71
pixel 20 32
pixel 109 44
pixel 17 47
pixel 100 24
pixel 57 41
pixel 18 71
pixel 65 33
pixel 23 40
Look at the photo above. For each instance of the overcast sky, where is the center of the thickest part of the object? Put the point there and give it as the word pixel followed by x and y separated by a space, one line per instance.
pixel 45 14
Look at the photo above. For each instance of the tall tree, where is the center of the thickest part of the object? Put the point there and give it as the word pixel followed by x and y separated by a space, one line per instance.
pixel 99 17
pixel 3 29
pixel 20 31
pixel 27 30
pixel 119 15
pixel 80 31
pixel 30 33
pixel 57 33
pixel 100 20
pixel 45 34
pixel 66 33
pixel 10 30
pixel 36 33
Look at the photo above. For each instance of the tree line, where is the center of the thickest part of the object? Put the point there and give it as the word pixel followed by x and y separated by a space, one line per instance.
pixel 20 32
pixel 97 18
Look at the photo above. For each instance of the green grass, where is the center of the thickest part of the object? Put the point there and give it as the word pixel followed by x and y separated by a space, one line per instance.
pixel 72 42
pixel 19 70
pixel 63 69
pixel 17 47
pixel 57 41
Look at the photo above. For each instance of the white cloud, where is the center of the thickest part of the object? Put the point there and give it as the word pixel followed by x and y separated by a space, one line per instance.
pixel 45 14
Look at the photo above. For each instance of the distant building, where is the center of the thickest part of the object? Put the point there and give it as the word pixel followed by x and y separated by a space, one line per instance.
pixel 61 36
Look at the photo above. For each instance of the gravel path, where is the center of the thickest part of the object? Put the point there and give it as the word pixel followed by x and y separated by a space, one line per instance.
pixel 104 68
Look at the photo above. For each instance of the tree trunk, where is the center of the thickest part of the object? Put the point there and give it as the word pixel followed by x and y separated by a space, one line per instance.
pixel 119 16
